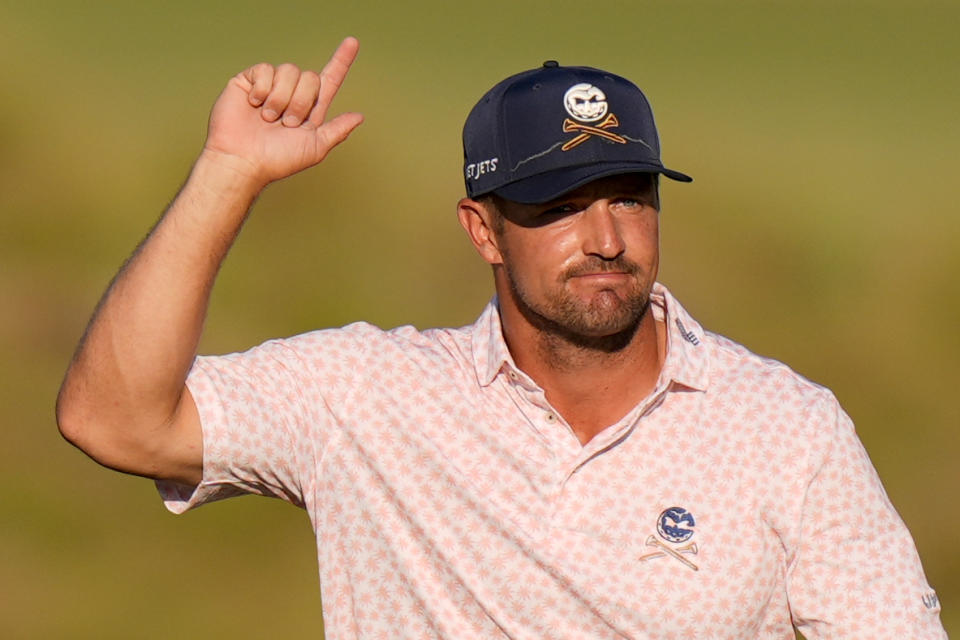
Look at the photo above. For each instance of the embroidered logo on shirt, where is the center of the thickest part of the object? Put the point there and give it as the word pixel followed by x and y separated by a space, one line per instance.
pixel 675 525
pixel 930 600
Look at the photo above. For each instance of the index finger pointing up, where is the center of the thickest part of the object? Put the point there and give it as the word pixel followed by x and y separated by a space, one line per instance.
pixel 332 77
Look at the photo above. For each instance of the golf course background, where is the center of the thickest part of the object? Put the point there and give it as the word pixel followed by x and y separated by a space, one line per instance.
pixel 822 229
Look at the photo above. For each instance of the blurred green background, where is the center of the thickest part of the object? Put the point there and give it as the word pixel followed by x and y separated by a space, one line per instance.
pixel 822 230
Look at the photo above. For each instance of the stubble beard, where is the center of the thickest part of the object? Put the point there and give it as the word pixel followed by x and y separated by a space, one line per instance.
pixel 606 323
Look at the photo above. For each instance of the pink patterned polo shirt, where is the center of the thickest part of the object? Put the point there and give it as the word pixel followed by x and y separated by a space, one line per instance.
pixel 450 500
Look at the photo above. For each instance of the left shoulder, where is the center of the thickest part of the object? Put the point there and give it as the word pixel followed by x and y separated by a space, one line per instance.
pixel 755 378
pixel 725 367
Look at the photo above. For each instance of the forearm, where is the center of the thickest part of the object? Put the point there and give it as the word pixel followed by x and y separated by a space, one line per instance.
pixel 126 381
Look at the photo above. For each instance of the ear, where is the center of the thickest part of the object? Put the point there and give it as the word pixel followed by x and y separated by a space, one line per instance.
pixel 477 220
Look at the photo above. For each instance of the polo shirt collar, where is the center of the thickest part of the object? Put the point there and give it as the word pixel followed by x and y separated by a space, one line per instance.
pixel 687 355
pixel 490 353
pixel 687 360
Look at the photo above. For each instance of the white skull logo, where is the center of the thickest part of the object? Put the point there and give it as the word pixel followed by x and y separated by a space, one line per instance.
pixel 585 102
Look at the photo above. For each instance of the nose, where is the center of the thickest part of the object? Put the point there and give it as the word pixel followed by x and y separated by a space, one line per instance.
pixel 602 235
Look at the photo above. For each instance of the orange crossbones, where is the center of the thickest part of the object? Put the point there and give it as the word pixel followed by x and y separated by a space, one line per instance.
pixel 586 131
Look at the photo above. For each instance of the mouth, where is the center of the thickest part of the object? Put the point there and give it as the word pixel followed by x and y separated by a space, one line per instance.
pixel 594 276
pixel 594 269
pixel 602 279
pixel 602 274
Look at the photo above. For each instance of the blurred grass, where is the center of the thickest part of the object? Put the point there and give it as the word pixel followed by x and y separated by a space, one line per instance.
pixel 822 229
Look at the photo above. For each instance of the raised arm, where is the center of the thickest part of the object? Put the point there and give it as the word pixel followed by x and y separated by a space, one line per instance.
pixel 123 400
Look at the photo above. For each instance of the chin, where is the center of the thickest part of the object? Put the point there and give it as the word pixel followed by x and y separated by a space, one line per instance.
pixel 600 324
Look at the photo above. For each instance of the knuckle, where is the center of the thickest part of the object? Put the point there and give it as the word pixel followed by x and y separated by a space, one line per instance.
pixel 274 103
pixel 261 70
pixel 300 105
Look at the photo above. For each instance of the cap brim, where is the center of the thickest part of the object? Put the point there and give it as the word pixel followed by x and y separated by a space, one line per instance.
pixel 553 184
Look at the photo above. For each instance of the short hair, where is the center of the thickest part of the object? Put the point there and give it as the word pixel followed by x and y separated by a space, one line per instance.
pixel 495 204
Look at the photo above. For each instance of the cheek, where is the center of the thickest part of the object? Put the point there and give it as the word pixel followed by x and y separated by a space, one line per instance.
pixel 553 255
pixel 534 260
pixel 644 240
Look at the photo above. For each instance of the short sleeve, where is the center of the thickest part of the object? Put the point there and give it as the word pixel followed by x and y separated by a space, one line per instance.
pixel 264 423
pixel 856 573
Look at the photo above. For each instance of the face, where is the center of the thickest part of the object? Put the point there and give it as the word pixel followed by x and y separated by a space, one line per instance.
pixel 582 266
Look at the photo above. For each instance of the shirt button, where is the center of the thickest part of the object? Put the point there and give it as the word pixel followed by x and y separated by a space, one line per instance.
pixel 512 375
pixel 551 417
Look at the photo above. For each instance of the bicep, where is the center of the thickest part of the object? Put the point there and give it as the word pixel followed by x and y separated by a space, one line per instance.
pixel 180 454
pixel 173 450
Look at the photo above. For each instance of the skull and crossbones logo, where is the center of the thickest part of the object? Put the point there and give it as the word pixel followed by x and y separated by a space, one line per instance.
pixel 675 525
pixel 587 103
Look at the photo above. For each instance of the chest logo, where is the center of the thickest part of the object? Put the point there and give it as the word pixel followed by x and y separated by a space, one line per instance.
pixel 675 526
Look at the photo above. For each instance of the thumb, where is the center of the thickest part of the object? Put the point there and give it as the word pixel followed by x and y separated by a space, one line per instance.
pixel 335 131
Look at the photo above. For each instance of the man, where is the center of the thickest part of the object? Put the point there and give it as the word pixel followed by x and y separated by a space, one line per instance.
pixel 585 461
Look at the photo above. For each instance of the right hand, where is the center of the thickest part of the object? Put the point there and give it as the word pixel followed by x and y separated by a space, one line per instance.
pixel 269 122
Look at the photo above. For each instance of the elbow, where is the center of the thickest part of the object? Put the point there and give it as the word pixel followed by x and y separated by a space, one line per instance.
pixel 85 429
pixel 83 425
pixel 70 419
pixel 112 435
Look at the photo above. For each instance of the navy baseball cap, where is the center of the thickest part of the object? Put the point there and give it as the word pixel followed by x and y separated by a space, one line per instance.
pixel 546 131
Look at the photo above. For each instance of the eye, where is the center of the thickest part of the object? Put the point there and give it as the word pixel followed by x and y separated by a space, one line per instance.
pixel 628 202
pixel 553 214
pixel 559 210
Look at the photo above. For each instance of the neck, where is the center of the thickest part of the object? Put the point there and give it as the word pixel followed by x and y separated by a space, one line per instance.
pixel 591 381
